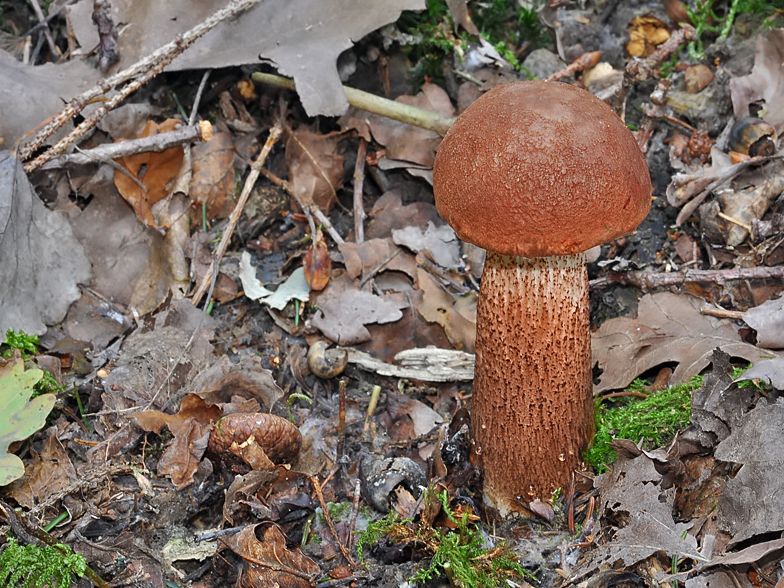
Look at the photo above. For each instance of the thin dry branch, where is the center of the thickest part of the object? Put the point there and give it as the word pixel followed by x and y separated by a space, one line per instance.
pixel 255 169
pixel 648 280
pixel 140 72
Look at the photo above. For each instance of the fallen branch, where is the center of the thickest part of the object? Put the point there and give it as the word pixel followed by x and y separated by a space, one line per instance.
pixel 419 117
pixel 140 73
pixel 208 281
pixel 157 143
pixel 648 280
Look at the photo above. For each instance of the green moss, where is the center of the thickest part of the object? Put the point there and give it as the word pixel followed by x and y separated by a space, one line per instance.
pixel 26 344
pixel 656 419
pixel 458 553
pixel 32 566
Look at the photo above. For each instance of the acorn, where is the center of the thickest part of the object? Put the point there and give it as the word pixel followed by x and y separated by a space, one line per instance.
pixel 752 136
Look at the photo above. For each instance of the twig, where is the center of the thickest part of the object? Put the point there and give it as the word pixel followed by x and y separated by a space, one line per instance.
pixel 585 61
pixel 330 524
pixel 352 519
pixel 640 70
pixel 47 33
pixel 306 209
pixel 255 170
pixel 341 418
pixel 359 182
pixel 412 115
pixel 141 72
pixel 647 280
pixel 157 143
pixel 372 273
pixel 722 313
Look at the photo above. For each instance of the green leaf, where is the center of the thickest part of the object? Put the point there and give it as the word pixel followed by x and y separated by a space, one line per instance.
pixel 21 417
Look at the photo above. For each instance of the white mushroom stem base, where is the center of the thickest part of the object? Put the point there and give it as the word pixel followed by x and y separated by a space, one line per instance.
pixel 532 403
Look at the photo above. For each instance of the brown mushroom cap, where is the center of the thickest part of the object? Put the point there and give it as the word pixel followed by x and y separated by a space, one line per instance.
pixel 537 169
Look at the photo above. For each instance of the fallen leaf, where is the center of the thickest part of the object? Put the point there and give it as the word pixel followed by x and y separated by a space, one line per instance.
pixel 315 168
pixel 294 288
pixel 344 311
pixel 302 37
pixel 767 369
pixel 268 562
pixel 457 314
pixel 389 213
pixel 644 524
pixel 768 320
pixel 22 416
pixel 32 94
pixel 441 242
pixel 41 262
pixel 213 181
pixel 47 473
pixel 765 83
pixel 668 328
pixel 317 264
pixel 752 502
pixel 147 175
pixel 362 258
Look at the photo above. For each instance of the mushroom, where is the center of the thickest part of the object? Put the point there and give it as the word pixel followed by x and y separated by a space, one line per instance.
pixel 537 173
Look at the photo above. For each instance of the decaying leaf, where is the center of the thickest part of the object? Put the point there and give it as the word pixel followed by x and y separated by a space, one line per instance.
pixel 631 496
pixel 765 83
pixel 302 37
pixel 769 370
pixel 317 264
pixel 645 34
pixel 213 182
pixel 315 167
pixel 147 175
pixel 46 473
pixel 362 258
pixel 41 262
pixel 294 288
pixel 752 502
pixel 457 314
pixel 268 562
pixel 441 242
pixel 768 320
pixel 344 311
pixel 668 328
pixel 21 416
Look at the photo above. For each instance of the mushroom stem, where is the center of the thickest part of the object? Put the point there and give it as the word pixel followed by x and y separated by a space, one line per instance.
pixel 533 402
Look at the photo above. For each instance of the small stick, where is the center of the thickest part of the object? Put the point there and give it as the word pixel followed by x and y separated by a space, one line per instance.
pixel 734 221
pixel 647 280
pixel 359 182
pixel 371 407
pixel 341 418
pixel 47 33
pixel 330 524
pixel 722 313
pixel 157 143
pixel 141 72
pixel 306 209
pixel 352 520
pixel 255 170
pixel 419 117
pixel 585 61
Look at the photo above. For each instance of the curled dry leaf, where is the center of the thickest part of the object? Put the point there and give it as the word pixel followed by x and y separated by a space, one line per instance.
pixel 213 176
pixel 280 439
pixel 315 168
pixel 318 266
pixel 147 175
pixel 268 562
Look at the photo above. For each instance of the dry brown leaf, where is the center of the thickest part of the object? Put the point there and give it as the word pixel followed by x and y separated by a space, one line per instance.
pixel 457 314
pixel 317 264
pixel 213 179
pixel 181 459
pixel 46 473
pixel 668 328
pixel 344 311
pixel 362 258
pixel 315 167
pixel 193 407
pixel 268 562
pixel 388 213
pixel 152 170
pixel 765 83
